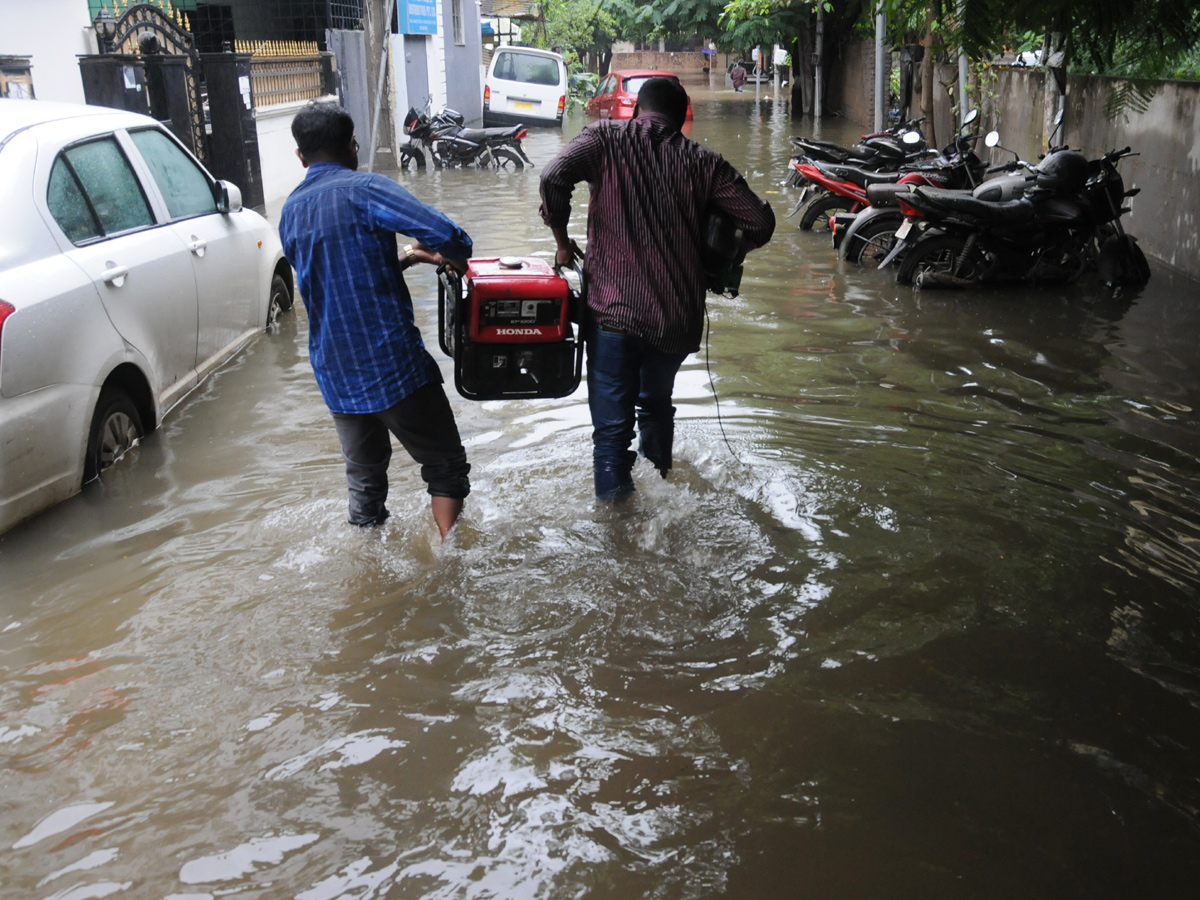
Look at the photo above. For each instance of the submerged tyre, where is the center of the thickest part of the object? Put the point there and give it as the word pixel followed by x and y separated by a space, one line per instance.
pixel 116 429
pixel 871 244
pixel 939 257
pixel 411 159
pixel 1123 262
pixel 280 302
pixel 814 215
pixel 504 158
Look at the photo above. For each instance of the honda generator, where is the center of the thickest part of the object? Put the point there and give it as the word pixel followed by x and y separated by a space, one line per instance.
pixel 508 325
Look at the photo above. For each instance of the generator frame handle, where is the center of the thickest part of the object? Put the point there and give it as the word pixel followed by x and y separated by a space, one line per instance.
pixel 449 286
pixel 578 307
pixel 577 312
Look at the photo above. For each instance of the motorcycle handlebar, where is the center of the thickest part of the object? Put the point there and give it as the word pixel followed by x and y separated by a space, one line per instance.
pixel 1010 166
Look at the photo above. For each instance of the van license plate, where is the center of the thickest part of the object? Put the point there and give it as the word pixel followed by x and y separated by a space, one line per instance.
pixel 517 104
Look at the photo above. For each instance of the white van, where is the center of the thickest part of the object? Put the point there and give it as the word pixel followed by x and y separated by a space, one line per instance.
pixel 525 86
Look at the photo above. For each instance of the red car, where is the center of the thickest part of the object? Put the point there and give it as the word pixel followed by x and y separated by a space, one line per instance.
pixel 617 93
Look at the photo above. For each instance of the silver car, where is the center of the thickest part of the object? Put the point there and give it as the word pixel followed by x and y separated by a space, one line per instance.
pixel 127 275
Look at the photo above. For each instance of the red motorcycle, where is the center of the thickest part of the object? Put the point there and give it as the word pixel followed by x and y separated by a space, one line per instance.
pixel 845 190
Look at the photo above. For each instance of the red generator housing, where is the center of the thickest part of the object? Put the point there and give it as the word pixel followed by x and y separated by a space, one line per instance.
pixel 507 324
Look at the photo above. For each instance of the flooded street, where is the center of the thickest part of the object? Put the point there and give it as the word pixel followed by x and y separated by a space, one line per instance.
pixel 917 617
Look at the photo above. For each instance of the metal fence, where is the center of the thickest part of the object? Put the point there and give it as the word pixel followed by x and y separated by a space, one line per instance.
pixel 287 71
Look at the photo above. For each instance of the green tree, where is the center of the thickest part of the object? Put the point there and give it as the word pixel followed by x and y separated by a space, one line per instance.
pixel 575 27
pixel 749 23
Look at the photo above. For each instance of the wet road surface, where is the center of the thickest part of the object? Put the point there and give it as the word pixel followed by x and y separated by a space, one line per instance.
pixel 926 626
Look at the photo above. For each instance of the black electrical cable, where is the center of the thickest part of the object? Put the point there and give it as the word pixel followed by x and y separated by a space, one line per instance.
pixel 713 387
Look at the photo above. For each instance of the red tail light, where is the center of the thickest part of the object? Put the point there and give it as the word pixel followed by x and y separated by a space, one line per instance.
pixel 487 96
pixel 521 134
pixel 6 310
pixel 562 105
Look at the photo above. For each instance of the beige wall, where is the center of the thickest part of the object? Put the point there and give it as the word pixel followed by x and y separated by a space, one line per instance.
pixel 679 63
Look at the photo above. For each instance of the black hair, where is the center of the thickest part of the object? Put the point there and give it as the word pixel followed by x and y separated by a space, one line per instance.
pixel 665 96
pixel 322 128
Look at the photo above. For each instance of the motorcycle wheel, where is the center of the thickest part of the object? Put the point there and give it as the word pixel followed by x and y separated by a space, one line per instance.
pixel 815 213
pixel 873 243
pixel 1123 262
pixel 940 255
pixel 411 159
pixel 505 159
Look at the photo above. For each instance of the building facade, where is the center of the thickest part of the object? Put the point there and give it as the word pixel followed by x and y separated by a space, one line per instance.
pixel 436 47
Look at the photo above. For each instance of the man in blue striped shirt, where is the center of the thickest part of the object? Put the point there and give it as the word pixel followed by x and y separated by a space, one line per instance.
pixel 339 233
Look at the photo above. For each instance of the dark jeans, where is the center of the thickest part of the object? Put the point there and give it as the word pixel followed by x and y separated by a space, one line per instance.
pixel 628 381
pixel 424 424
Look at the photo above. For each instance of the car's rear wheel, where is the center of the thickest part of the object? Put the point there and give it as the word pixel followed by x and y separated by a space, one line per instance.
pixel 281 300
pixel 116 429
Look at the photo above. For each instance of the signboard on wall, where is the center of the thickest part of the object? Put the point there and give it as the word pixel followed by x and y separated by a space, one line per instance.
pixel 417 16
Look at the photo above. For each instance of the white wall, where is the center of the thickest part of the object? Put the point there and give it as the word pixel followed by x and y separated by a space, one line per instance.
pixel 281 168
pixel 437 58
pixel 54 33
pixel 399 85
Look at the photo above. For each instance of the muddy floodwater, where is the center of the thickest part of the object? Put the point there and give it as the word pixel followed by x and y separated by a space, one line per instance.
pixel 916 617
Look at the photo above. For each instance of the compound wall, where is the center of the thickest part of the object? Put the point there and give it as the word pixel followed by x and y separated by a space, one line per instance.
pixel 1014 100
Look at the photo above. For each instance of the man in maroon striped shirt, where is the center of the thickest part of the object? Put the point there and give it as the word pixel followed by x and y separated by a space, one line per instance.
pixel 651 190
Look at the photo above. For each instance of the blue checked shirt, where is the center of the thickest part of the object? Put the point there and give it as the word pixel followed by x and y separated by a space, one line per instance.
pixel 339 233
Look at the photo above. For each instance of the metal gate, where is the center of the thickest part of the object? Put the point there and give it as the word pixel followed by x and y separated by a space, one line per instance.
pixel 152 45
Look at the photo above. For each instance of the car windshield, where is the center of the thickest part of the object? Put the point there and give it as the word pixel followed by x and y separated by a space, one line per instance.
pixel 527 68
pixel 633 85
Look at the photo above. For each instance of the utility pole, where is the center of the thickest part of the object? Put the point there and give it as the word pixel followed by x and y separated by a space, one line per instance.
pixel 377 26
pixel 818 63
pixel 962 73
pixel 880 35
pixel 758 64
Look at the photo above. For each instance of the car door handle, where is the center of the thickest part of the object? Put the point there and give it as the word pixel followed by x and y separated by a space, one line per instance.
pixel 197 245
pixel 114 274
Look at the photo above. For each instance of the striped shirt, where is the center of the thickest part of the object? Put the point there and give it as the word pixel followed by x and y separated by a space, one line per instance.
pixel 339 233
pixel 650 191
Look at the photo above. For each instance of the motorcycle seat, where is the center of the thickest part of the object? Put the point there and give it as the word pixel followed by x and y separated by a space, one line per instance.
pixel 1002 212
pixel 861 177
pixel 814 144
pixel 828 151
pixel 483 135
pixel 884 194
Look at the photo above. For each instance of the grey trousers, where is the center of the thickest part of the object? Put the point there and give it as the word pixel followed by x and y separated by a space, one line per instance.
pixel 424 425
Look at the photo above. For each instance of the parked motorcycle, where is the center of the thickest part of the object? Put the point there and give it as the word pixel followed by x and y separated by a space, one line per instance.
pixel 840 188
pixel 849 190
pixel 450 144
pixel 879 151
pixel 1067 222
pixel 866 237
pixel 421 128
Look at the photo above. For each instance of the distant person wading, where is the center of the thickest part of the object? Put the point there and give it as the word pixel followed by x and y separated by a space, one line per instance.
pixel 738 76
